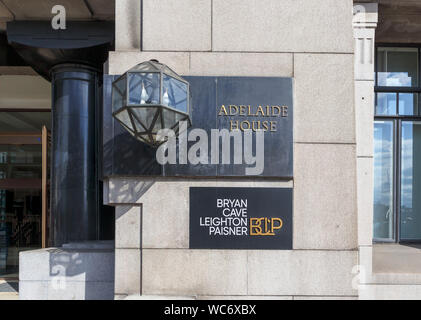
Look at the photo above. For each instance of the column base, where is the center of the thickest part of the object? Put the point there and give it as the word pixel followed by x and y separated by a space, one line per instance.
pixel 75 271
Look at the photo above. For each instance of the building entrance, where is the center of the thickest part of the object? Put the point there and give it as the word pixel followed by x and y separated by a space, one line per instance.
pixel 23 188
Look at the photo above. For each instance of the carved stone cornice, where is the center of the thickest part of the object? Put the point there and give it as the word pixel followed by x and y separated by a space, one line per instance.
pixel 365 18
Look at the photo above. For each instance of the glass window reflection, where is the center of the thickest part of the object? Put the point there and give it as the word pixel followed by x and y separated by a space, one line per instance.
pixel 386 104
pixel 408 104
pixel 411 181
pixel 175 93
pixel 383 226
pixel 397 67
pixel 144 88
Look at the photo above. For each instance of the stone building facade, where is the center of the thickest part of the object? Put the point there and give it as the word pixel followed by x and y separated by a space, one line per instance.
pixel 328 48
pixel 247 38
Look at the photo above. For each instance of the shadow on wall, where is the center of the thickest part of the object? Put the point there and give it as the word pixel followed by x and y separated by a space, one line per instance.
pixel 125 192
pixel 83 273
pixel 120 156
pixel 123 157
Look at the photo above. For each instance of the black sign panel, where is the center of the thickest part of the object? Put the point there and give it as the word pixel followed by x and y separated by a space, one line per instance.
pixel 241 218
pixel 229 103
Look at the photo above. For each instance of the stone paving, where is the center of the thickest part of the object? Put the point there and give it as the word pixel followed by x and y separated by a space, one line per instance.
pixel 9 290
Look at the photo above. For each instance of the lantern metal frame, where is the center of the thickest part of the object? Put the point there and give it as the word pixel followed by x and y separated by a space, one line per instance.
pixel 162 70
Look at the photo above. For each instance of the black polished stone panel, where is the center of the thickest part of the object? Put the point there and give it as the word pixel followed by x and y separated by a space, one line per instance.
pixel 240 218
pixel 132 157
pixel 255 92
pixel 124 155
pixel 107 126
pixel 204 117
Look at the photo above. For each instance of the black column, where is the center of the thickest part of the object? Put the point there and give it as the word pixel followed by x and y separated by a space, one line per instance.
pixel 74 205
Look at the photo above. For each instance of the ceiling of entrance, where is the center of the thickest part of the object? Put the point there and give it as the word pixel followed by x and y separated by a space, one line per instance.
pixel 24 92
pixel 399 21
pixel 19 121
pixel 41 10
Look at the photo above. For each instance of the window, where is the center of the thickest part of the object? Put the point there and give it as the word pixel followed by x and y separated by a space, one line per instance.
pixel 397 145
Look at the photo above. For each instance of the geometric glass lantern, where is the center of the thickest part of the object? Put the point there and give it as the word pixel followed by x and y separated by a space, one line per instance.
pixel 150 97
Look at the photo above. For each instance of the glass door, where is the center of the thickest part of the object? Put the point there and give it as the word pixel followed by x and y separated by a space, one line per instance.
pixel 384 164
pixel 20 199
pixel 397 144
pixel 410 184
pixel 45 181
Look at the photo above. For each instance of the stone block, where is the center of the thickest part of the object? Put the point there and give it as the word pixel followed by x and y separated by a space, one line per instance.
pixel 283 26
pixel 325 215
pixel 365 13
pixel 390 292
pixel 33 290
pixel 389 264
pixel 34 265
pixel 45 290
pixel 365 200
pixel 324 98
pixel 82 271
pixel 184 272
pixel 301 272
pixel 127 25
pixel 364 115
pixel 176 25
pixel 128 226
pixel 394 258
pixel 128 271
pixel 241 64
pixel 120 62
pixel 166 220
pixel 73 264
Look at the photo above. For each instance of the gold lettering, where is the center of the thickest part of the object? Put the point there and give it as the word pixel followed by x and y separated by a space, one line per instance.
pixel 258 125
pixel 265 125
pixel 273 224
pixel 273 111
pixel 249 109
pixel 255 226
pixel 273 126
pixel 264 226
pixel 284 111
pixel 242 127
pixel 231 125
pixel 233 107
pixel 223 111
pixel 260 110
